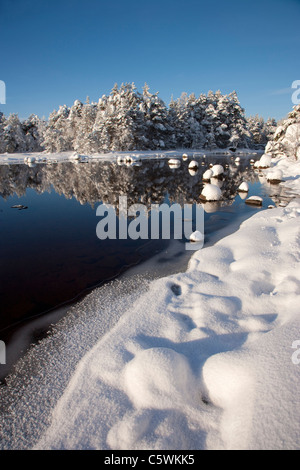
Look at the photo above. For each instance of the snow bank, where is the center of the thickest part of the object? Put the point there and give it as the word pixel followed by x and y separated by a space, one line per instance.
pixel 289 172
pixel 203 360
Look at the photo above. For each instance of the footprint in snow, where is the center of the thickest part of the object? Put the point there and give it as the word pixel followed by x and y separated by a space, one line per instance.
pixel 176 289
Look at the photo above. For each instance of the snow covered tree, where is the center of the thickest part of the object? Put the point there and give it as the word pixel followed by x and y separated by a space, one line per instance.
pixel 33 128
pixel 2 124
pixel 13 135
pixel 160 132
pixel 261 132
pixel 129 120
pixel 83 124
pixel 286 139
pixel 58 136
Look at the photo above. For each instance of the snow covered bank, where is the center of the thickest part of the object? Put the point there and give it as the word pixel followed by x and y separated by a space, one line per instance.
pixel 204 359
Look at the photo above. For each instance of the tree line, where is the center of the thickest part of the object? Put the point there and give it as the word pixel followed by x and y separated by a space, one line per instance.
pixel 128 120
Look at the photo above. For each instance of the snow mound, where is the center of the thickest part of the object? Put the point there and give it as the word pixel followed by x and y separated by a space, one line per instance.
pixel 75 157
pixel 29 160
pixel 193 164
pixel 254 200
pixel 264 161
pixel 211 192
pixel 275 176
pixel 160 378
pixel 192 172
pixel 207 175
pixel 217 170
pixel 243 187
pixel 196 236
pixel 174 163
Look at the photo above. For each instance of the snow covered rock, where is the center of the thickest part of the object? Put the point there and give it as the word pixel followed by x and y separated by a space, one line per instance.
pixel 174 163
pixel 217 171
pixel 243 187
pixel 254 201
pixel 75 157
pixel 264 161
pixel 211 192
pixel 193 165
pixel 196 236
pixel 29 160
pixel 207 175
pixel 275 176
pixel 120 160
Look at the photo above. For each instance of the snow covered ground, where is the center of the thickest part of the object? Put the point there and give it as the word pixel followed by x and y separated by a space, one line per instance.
pixel 205 359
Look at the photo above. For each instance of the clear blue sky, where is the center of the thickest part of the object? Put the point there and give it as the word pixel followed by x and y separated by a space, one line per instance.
pixel 56 51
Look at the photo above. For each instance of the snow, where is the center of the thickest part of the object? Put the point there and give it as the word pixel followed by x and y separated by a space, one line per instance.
pixel 207 175
pixel 196 236
pixel 211 192
pixel 174 163
pixel 275 175
pixel 193 164
pixel 243 187
pixel 264 161
pixel 217 170
pixel 256 200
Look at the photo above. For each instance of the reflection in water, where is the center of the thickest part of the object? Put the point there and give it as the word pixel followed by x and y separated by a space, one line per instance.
pixel 96 181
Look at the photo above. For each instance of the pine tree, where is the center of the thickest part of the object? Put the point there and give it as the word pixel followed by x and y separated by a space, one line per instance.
pixel 58 137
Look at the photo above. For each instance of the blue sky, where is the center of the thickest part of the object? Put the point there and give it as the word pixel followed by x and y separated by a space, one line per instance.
pixel 56 51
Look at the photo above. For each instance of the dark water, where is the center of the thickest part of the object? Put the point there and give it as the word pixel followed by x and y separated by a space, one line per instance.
pixel 49 251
